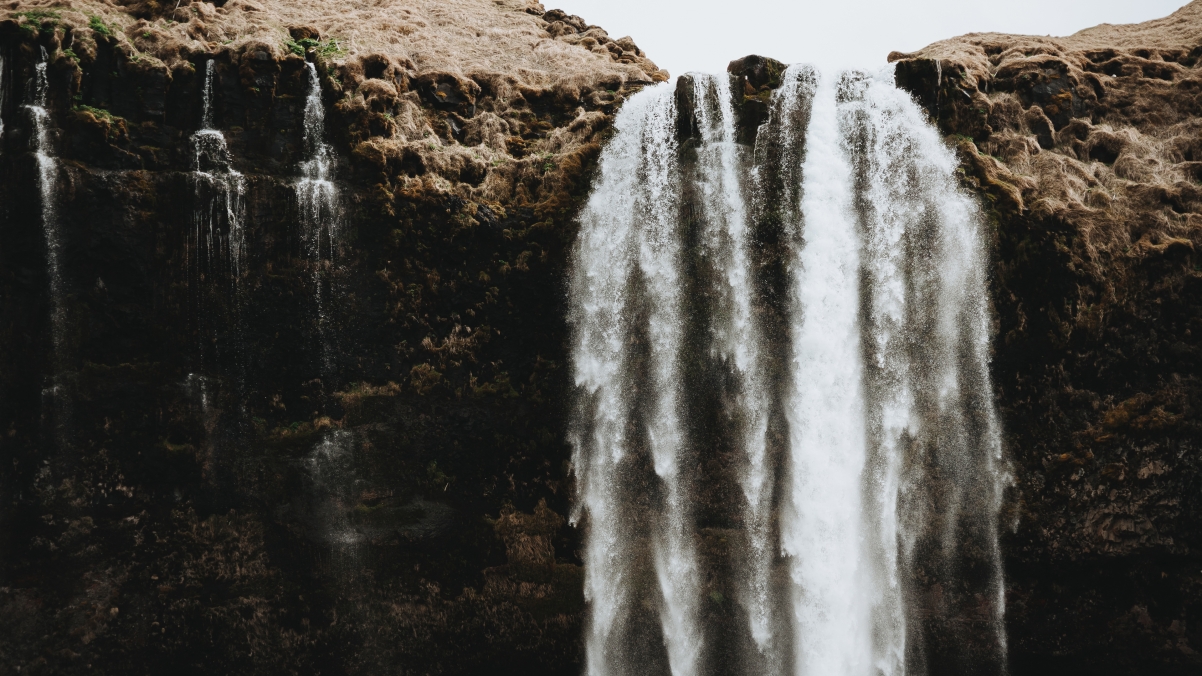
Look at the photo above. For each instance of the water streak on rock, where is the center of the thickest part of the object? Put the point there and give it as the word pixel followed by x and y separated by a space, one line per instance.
pixel 217 243
pixel 317 199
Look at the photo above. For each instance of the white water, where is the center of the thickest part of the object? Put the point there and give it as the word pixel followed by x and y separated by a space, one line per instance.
pixel 629 238
pixel 725 232
pixel 821 531
pixel 217 243
pixel 892 444
pixel 43 150
pixel 57 404
pixel 220 194
pixel 317 199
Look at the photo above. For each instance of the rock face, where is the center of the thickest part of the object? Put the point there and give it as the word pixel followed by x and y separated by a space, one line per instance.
pixel 248 449
pixel 1085 150
pixel 244 456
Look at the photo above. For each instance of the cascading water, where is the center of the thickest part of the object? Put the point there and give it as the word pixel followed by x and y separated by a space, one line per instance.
pixel 330 466
pixel 725 232
pixel 630 247
pixel 47 182
pixel 54 397
pixel 890 458
pixel 217 245
pixel 317 198
pixel 821 528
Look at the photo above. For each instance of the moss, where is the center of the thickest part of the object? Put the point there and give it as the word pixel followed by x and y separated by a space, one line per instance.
pixel 99 26
pixel 325 50
pixel 100 113
pixel 39 16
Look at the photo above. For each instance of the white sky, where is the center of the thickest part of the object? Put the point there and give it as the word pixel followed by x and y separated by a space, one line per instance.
pixel 705 35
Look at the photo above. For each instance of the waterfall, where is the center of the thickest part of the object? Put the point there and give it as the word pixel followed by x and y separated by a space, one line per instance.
pixel 726 235
pixel 317 199
pixel 629 253
pixel 56 401
pixel 890 459
pixel 2 97
pixel 821 529
pixel 42 147
pixel 217 244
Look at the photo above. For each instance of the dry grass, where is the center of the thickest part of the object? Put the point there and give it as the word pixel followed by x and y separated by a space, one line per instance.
pixel 504 55
pixel 1113 149
pixel 461 36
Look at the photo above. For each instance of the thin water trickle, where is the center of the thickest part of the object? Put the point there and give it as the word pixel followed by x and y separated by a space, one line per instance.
pixel 317 199
pixel 57 403
pixel 891 444
pixel 43 150
pixel 217 243
pixel 3 81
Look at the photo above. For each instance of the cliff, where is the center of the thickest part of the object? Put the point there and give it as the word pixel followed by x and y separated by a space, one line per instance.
pixel 236 444
pixel 1086 151
pixel 246 447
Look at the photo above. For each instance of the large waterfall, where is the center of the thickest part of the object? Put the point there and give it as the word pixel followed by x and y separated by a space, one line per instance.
pixel 784 434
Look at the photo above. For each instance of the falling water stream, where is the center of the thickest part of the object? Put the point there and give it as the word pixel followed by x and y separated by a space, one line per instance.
pixel 56 399
pixel 330 464
pixel 317 199
pixel 47 182
pixel 889 457
pixel 217 245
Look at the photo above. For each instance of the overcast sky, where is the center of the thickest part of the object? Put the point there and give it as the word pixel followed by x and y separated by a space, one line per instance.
pixel 704 35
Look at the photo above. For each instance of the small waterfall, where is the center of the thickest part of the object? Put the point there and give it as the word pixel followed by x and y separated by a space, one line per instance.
pixel 43 150
pixel 3 82
pixel 891 461
pixel 56 400
pixel 217 244
pixel 317 199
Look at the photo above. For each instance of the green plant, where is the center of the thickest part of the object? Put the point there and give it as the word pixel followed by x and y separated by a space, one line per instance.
pixel 36 20
pixel 299 47
pixel 99 26
pixel 98 112
pixel 70 54
pixel 39 15
pixel 330 48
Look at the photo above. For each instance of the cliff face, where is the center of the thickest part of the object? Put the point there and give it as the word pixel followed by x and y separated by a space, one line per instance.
pixel 234 443
pixel 245 447
pixel 1086 151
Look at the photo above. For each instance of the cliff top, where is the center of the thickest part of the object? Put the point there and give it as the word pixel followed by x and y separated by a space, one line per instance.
pixel 515 37
pixel 1174 35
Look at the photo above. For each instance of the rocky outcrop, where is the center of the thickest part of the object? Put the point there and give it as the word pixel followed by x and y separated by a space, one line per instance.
pixel 1085 150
